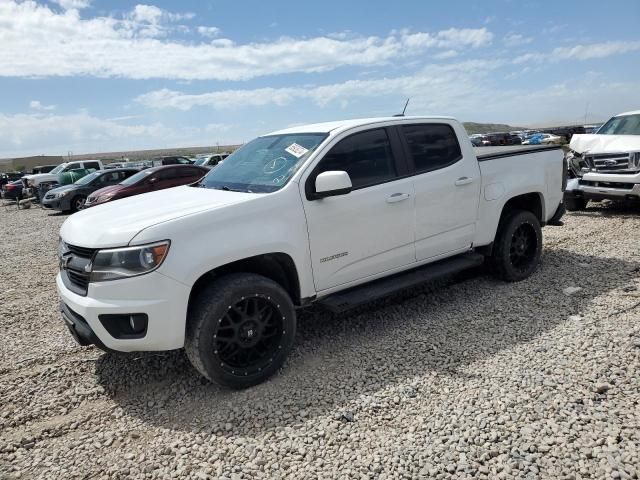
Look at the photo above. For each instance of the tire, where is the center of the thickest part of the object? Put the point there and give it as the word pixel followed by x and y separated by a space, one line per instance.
pixel 518 246
pixel 236 308
pixel 575 204
pixel 77 203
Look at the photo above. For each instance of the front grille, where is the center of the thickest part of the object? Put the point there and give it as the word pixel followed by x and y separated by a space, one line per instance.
pixel 81 251
pixel 74 266
pixel 608 162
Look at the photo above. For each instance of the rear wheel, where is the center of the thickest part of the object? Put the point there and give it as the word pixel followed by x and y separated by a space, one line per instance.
pixel 575 204
pixel 77 203
pixel 240 330
pixel 518 246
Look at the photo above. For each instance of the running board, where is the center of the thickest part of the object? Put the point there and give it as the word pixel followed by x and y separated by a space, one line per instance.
pixel 346 300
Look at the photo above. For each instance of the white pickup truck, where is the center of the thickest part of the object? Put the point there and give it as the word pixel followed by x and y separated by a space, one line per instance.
pixel 605 165
pixel 38 178
pixel 334 213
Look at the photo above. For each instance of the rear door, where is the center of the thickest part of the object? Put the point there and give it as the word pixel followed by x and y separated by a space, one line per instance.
pixel 447 188
pixel 369 230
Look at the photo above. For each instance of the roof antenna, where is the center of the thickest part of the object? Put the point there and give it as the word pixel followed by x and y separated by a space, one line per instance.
pixel 404 109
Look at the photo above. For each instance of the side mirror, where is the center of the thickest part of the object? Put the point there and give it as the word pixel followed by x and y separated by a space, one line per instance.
pixel 329 184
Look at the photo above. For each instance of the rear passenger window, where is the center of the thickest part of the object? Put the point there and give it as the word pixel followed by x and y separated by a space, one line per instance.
pixel 94 165
pixel 432 146
pixel 365 156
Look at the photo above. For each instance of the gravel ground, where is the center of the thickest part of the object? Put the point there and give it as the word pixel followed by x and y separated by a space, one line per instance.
pixel 476 379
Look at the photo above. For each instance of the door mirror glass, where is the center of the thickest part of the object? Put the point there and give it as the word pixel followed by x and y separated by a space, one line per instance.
pixel 333 183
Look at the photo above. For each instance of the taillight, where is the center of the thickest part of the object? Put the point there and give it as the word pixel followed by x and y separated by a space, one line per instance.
pixel 565 173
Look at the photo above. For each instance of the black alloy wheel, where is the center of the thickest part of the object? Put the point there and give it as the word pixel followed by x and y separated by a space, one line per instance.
pixel 248 335
pixel 523 247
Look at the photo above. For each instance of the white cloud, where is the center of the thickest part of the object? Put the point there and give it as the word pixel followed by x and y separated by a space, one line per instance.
pixel 73 4
pixel 438 81
pixel 581 52
pixel 41 42
pixel 37 105
pixel 516 40
pixel 40 133
pixel 209 31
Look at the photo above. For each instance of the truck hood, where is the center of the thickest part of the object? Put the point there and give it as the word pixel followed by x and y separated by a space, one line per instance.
pixel 38 177
pixel 114 224
pixel 594 143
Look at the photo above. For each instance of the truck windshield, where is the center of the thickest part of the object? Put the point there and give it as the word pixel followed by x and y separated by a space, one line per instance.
pixel 622 125
pixel 58 169
pixel 265 164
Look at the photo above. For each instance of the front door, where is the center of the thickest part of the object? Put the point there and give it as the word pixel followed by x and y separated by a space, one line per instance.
pixel 371 229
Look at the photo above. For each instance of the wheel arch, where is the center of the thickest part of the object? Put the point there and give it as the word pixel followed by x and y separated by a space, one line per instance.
pixel 276 266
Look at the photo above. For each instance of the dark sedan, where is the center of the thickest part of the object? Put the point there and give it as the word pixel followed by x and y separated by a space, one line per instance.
pixel 70 198
pixel 12 190
pixel 149 180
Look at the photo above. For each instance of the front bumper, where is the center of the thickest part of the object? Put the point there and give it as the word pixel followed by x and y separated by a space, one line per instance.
pixel 52 203
pixel 161 298
pixel 601 187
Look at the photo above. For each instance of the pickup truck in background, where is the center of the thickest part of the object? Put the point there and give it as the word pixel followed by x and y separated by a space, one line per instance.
pixel 35 185
pixel 605 165
pixel 334 213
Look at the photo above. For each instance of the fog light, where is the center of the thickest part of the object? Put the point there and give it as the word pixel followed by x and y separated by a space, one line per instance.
pixel 138 322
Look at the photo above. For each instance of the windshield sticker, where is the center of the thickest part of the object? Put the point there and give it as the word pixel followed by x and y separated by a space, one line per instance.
pixel 296 150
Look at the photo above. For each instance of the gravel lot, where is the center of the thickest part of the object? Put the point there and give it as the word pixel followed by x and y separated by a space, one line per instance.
pixel 477 379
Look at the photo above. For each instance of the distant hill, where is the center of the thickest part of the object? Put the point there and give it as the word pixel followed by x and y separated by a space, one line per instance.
pixel 473 127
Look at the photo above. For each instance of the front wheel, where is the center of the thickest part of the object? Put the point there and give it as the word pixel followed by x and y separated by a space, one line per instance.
pixel 240 329
pixel 77 203
pixel 518 246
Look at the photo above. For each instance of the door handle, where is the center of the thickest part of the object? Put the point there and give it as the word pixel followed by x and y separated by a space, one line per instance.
pixel 463 181
pixel 397 197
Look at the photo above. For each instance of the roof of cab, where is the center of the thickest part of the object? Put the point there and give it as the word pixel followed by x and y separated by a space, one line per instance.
pixel 633 112
pixel 341 125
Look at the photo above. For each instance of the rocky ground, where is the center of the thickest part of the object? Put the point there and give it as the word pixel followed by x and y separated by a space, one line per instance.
pixel 476 379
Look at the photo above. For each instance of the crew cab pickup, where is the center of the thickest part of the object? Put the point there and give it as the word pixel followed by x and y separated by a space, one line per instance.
pixel 332 213
pixel 605 165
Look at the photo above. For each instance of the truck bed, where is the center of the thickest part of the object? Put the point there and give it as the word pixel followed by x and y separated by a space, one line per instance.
pixel 489 153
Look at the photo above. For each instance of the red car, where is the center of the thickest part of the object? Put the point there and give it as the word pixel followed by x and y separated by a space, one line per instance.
pixel 149 180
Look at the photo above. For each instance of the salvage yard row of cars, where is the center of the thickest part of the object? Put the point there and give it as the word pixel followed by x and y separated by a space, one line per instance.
pixel 71 186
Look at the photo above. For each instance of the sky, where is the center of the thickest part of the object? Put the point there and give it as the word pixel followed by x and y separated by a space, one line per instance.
pixel 87 76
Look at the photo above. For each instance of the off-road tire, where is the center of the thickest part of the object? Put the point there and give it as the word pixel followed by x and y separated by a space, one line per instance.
pixel 210 311
pixel 511 261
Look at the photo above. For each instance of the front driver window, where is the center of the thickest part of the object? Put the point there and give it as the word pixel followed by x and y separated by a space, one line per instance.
pixel 365 156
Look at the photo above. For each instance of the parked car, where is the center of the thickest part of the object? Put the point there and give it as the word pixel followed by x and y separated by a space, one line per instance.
pixel 544 139
pixel 334 214
pixel 211 161
pixel 71 198
pixel 156 162
pixel 12 190
pixel 148 180
pixel 605 165
pixel 500 139
pixel 10 177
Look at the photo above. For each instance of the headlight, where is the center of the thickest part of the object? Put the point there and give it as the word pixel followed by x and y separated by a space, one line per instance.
pixel 634 160
pixel 104 198
pixel 116 263
pixel 62 248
